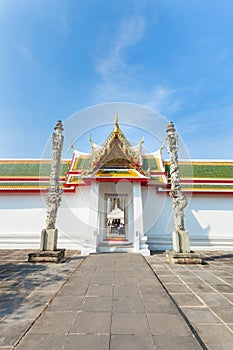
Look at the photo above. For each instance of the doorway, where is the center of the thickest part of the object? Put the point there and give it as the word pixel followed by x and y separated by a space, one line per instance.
pixel 116 217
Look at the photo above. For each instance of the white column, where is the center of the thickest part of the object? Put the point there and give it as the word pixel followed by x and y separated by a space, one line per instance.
pixel 93 221
pixel 137 213
pixel 140 239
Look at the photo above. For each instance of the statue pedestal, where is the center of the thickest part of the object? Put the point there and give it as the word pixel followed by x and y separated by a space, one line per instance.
pixel 49 239
pixel 46 256
pixel 181 253
pixel 48 248
pixel 143 247
pixel 181 241
pixel 184 258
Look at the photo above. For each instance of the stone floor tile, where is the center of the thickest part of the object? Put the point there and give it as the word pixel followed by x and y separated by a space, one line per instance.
pixel 221 273
pixel 10 333
pixel 223 288
pixel 160 304
pixel 65 303
pixel 186 299
pixel 92 323
pixel 98 290
pixel 200 315
pixel 168 324
pixel 25 312
pixel 214 299
pixel 163 272
pixel 86 342
pixel 152 281
pixel 224 312
pixel 208 277
pixel 216 337
pixel 96 304
pixel 42 342
pixel 128 304
pixel 176 343
pixel 177 288
pixel 76 279
pixel 151 291
pixel 54 322
pixel 201 287
pixel 191 279
pixel 39 297
pixel 129 323
pixel 229 280
pixel 50 286
pixel 125 280
pixel 74 290
pixel 102 280
pixel 127 291
pixel 132 342
pixel 169 279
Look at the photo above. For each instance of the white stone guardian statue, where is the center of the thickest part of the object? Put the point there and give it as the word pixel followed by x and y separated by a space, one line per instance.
pixel 48 247
pixel 181 244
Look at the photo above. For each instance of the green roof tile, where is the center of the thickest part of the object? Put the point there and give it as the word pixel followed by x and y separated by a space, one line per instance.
pixel 29 169
pixel 83 163
pixel 198 170
pixel 150 163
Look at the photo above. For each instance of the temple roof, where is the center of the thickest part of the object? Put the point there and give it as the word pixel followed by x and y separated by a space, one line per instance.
pixel 28 174
pixel 116 160
pixel 196 176
pixel 116 152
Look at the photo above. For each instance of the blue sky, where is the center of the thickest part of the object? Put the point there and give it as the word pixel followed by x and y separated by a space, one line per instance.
pixel 61 56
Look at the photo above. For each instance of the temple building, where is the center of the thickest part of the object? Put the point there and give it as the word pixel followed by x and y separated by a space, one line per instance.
pixel 116 198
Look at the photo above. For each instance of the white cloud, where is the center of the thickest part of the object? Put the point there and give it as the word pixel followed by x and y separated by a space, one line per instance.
pixel 121 80
pixel 130 32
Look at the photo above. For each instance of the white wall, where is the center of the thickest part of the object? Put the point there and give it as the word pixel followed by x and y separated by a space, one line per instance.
pixel 21 219
pixel 23 216
pixel 209 220
pixel 158 220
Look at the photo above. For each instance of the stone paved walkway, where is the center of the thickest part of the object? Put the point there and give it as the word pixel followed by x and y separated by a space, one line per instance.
pixel 204 293
pixel 115 301
pixel 26 290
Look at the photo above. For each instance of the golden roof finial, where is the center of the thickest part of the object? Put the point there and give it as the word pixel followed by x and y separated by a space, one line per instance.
pixel 116 123
pixel 91 141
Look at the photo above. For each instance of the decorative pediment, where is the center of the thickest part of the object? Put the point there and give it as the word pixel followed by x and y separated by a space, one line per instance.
pixel 116 160
pixel 116 157
pixel 116 152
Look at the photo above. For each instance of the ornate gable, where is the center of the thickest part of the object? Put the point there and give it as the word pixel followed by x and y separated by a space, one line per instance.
pixel 116 160
pixel 116 152
pixel 116 157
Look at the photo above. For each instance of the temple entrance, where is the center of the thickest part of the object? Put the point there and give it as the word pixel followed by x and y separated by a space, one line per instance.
pixel 116 217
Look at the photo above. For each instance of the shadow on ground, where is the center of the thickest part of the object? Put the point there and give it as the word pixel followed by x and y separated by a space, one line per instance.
pixel 19 281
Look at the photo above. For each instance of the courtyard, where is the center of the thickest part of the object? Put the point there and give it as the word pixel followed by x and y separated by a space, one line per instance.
pixel 116 301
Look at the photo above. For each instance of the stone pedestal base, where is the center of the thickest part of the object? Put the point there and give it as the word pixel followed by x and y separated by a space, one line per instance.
pixel 184 258
pixel 46 256
pixel 144 252
pixel 49 239
pixel 143 247
pixel 180 240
